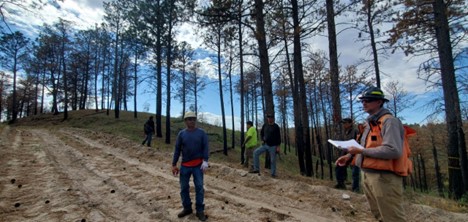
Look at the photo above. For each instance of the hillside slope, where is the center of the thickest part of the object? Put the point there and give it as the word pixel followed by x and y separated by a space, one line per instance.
pixel 72 174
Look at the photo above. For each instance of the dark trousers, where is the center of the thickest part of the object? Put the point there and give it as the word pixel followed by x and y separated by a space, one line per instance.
pixel 356 178
pixel 148 138
pixel 341 174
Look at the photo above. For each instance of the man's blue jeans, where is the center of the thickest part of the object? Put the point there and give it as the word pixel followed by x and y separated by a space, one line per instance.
pixel 259 151
pixel 185 173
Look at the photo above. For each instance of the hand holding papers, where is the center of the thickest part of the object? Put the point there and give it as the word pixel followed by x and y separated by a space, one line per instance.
pixel 345 144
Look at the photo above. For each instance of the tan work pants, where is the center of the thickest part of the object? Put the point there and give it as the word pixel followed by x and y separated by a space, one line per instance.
pixel 384 192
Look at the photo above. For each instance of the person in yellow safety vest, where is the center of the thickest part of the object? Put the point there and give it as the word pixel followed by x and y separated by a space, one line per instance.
pixel 250 143
pixel 382 185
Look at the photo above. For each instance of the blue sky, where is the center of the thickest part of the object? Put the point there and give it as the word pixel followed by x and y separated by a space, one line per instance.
pixel 85 13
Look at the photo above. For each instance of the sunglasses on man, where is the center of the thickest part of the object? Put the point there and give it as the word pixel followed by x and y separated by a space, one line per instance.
pixel 368 100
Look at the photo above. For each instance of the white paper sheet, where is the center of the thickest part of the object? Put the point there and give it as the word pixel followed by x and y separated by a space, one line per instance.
pixel 345 144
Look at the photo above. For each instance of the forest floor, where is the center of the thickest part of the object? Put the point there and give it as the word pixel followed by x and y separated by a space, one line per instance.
pixel 72 174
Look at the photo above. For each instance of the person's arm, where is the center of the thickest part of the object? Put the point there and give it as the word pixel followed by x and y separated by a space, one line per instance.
pixel 262 133
pixel 246 140
pixel 177 149
pixel 206 152
pixel 206 149
pixel 278 137
pixel 175 159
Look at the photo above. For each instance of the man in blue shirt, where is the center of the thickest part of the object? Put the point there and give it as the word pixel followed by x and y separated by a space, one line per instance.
pixel 192 143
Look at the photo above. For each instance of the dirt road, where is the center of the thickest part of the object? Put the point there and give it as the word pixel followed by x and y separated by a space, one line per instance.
pixel 79 175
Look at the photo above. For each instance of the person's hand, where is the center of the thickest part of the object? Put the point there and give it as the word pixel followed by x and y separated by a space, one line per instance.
pixel 204 166
pixel 354 150
pixel 342 160
pixel 175 170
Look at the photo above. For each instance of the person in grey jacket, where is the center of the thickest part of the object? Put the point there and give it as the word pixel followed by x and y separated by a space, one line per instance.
pixel 383 142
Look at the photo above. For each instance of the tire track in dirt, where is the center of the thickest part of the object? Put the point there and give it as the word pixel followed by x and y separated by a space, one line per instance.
pixel 95 174
pixel 34 191
pixel 68 174
pixel 242 199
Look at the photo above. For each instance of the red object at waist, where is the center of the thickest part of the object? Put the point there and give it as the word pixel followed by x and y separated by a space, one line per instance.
pixel 193 163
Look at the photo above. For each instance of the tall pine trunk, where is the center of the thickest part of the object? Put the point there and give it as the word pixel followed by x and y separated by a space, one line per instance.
pixel 299 73
pixel 264 61
pixel 241 70
pixel 221 97
pixel 334 72
pixel 456 146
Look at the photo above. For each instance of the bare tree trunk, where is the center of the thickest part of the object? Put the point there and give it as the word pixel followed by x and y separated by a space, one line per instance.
pixel 14 107
pixel 221 97
pixel 440 185
pixel 456 146
pixel 420 179
pixel 334 72
pixel 424 175
pixel 233 135
pixel 298 123
pixel 116 74
pixel 299 73
pixel 369 5
pixel 135 82
pixel 241 70
pixel 159 33
pixel 264 62
pixel 170 22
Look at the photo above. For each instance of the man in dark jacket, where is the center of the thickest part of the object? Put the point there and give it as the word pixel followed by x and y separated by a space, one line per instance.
pixel 341 171
pixel 271 138
pixel 149 131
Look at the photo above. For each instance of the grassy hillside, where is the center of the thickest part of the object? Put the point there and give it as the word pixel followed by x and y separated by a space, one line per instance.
pixel 132 128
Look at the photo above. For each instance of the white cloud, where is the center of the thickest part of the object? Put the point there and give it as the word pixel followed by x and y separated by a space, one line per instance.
pixel 186 32
pixel 208 68
pixel 216 120
pixel 396 67
pixel 83 14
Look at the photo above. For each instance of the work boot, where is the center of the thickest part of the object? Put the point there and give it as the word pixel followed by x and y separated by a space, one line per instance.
pixel 254 171
pixel 201 216
pixel 340 186
pixel 184 213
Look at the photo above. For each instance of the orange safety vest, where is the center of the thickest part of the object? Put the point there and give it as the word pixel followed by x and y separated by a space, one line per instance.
pixel 403 166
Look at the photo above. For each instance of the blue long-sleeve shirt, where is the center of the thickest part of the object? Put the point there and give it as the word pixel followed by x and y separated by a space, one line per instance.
pixel 193 144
